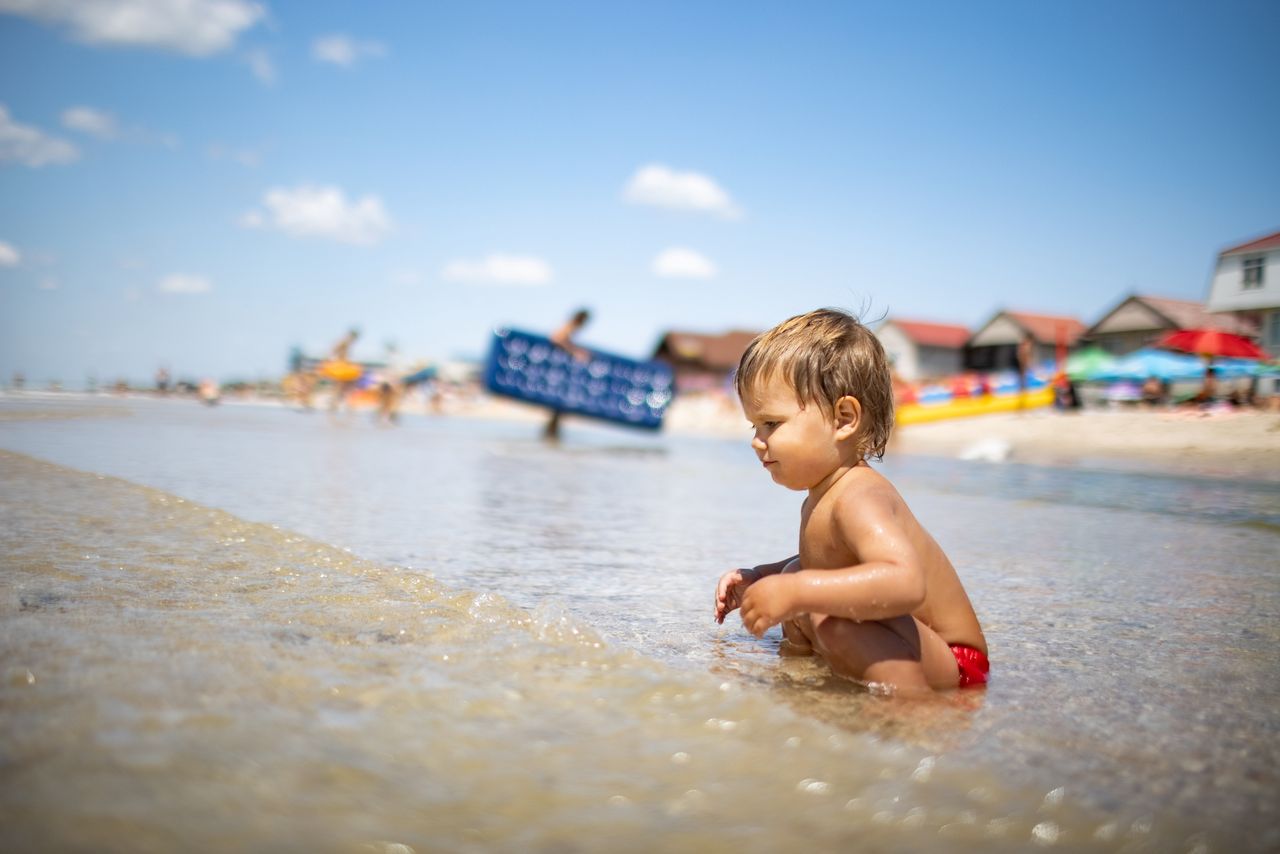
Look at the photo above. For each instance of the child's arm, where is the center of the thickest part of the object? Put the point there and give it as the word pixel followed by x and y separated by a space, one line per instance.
pixel 888 582
pixel 735 582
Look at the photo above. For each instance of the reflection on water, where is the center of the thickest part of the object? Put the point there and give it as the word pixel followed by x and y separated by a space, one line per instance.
pixel 1133 701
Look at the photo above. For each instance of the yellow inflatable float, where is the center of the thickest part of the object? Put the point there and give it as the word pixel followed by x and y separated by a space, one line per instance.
pixel 340 372
pixel 964 407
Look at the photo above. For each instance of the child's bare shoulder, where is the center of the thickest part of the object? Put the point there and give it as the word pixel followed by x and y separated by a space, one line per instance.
pixel 864 496
pixel 864 485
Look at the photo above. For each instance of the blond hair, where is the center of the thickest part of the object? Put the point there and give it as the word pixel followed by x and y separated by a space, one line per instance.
pixel 826 355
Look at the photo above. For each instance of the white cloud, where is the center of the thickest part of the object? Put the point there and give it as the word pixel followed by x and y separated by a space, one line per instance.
pixel 499 269
pixel 93 122
pixel 657 185
pixel 250 157
pixel 191 27
pixel 31 146
pixel 680 263
pixel 9 255
pixel 103 125
pixel 308 211
pixel 185 283
pixel 260 64
pixel 344 50
pixel 49 283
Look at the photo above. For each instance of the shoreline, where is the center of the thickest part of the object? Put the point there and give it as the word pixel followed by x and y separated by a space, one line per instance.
pixel 1223 444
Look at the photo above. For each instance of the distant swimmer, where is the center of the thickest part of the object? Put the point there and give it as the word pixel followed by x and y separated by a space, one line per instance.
pixel 870 591
pixel 563 338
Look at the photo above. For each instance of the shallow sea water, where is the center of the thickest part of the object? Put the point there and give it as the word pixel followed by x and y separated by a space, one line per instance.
pixel 290 631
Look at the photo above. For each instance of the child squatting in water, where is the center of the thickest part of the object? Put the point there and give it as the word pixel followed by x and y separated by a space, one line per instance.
pixel 870 591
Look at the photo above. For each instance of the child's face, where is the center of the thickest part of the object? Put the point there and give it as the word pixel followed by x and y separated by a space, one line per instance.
pixel 796 444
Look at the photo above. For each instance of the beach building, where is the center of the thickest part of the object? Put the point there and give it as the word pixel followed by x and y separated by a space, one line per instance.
pixel 1246 286
pixel 1139 321
pixel 702 362
pixel 994 347
pixel 919 349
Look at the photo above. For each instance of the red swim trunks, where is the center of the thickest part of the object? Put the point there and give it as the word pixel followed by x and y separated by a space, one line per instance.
pixel 973 664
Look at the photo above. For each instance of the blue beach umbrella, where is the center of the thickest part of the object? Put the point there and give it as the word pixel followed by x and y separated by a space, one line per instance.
pixel 1161 364
pixel 1232 368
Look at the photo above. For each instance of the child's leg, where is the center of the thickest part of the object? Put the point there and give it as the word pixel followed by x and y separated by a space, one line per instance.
pixel 902 652
pixel 795 641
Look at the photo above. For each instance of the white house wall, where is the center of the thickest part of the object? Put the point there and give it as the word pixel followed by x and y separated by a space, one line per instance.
pixel 1130 317
pixel 1002 330
pixel 1227 292
pixel 901 351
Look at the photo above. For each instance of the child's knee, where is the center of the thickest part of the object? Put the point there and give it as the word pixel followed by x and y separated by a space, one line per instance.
pixel 861 649
pixel 837 634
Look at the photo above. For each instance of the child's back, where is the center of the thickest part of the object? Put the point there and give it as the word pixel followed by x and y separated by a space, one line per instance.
pixel 860 497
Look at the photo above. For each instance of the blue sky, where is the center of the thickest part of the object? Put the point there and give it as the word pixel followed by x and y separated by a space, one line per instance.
pixel 205 184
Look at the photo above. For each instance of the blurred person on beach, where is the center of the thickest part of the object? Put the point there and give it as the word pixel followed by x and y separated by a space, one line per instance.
pixel 1208 392
pixel 1022 362
pixel 299 384
pixel 1154 391
pixel 563 338
pixel 390 387
pixel 341 353
pixel 209 392
pixel 298 387
pixel 870 591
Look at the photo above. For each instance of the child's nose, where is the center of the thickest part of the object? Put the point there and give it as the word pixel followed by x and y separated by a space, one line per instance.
pixel 758 443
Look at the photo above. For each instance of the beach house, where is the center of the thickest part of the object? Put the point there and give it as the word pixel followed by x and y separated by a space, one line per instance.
pixel 1139 321
pixel 920 349
pixel 702 362
pixel 1246 286
pixel 994 346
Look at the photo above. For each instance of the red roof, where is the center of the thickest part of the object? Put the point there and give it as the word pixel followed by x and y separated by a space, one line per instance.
pixel 932 334
pixel 1044 328
pixel 712 352
pixel 1271 241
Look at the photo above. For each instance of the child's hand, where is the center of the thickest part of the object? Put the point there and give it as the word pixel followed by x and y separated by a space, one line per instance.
pixel 768 603
pixel 730 589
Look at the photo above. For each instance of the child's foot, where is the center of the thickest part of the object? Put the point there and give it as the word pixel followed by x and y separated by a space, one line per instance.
pixel 790 649
pixel 794 643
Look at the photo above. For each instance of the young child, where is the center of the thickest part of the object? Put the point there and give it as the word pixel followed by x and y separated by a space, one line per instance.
pixel 870 591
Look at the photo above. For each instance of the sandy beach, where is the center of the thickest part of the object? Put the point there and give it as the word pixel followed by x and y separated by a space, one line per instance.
pixel 1229 444
pixel 1232 444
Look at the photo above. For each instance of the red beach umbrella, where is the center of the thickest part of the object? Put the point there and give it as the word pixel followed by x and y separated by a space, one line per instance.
pixel 1211 342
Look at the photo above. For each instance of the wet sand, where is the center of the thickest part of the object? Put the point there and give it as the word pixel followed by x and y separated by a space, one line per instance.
pixel 179 679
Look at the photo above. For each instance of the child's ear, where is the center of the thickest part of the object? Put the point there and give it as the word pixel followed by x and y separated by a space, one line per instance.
pixel 848 412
